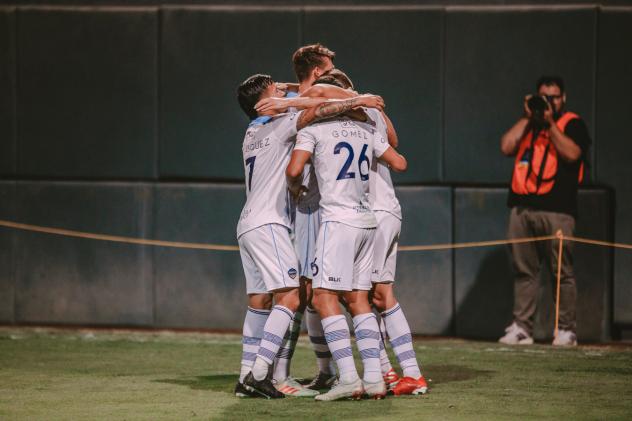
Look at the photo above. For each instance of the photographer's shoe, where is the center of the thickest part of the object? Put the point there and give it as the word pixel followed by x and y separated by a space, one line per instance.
pixel 565 338
pixel 515 335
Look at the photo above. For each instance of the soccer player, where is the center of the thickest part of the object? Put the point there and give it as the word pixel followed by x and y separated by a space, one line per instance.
pixel 388 215
pixel 341 150
pixel 309 62
pixel 389 204
pixel 268 257
pixel 389 219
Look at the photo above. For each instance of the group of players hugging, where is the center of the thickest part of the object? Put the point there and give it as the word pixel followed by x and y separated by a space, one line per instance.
pixel 320 228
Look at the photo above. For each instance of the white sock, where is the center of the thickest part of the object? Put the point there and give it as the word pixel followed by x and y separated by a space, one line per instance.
pixel 368 338
pixel 284 356
pixel 252 333
pixel 319 343
pixel 385 362
pixel 401 340
pixel 273 333
pixel 339 342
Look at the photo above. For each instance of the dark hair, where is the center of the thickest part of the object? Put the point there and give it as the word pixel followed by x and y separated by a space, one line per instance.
pixel 336 77
pixel 250 90
pixel 550 81
pixel 306 58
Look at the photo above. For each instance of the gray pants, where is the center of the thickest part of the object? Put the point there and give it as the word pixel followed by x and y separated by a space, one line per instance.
pixel 527 259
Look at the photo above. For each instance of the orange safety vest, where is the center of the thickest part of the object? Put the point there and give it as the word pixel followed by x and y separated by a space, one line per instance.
pixel 535 167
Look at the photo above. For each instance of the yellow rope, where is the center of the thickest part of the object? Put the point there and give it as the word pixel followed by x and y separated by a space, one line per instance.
pixel 116 238
pixel 221 247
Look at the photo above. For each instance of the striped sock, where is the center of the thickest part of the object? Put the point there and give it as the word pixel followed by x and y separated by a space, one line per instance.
pixel 367 335
pixel 385 362
pixel 319 343
pixel 252 333
pixel 273 333
pixel 339 342
pixel 284 356
pixel 401 340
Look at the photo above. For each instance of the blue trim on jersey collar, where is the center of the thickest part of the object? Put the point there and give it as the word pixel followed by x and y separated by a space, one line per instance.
pixel 290 94
pixel 260 120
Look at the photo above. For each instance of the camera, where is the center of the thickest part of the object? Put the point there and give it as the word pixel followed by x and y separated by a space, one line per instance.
pixel 537 105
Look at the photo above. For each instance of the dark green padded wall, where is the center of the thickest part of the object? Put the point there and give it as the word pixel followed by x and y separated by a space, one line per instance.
pixel 81 281
pixel 493 59
pixel 484 278
pixel 397 54
pixel 198 288
pixel 423 282
pixel 7 238
pixel 614 146
pixel 482 275
pixel 7 92
pixel 204 56
pixel 87 93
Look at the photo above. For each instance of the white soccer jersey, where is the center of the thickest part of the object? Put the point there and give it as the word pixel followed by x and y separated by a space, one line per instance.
pixel 341 153
pixel 267 149
pixel 381 191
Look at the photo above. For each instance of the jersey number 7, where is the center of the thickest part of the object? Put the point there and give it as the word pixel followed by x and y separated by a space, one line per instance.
pixel 250 162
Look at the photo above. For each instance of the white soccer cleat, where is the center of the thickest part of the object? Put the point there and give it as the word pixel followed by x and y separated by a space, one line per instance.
pixel 342 390
pixel 290 387
pixel 515 335
pixel 375 390
pixel 565 338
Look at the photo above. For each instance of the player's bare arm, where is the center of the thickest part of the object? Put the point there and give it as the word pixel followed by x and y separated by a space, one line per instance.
pixel 273 105
pixel 393 140
pixel 294 171
pixel 394 160
pixel 334 107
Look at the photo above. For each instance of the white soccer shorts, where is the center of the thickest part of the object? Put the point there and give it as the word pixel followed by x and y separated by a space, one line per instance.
pixel 306 225
pixel 268 258
pixel 385 248
pixel 343 257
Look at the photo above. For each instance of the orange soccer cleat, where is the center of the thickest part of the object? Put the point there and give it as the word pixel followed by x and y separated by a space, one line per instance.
pixel 391 378
pixel 410 386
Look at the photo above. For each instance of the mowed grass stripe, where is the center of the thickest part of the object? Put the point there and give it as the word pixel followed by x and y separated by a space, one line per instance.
pixel 130 375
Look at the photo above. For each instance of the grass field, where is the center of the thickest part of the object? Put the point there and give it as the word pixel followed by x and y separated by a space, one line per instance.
pixel 79 375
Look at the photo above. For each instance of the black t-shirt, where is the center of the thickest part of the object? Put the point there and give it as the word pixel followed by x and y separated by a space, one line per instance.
pixel 563 196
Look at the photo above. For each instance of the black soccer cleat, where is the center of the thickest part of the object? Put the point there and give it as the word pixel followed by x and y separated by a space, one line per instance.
pixel 322 381
pixel 262 388
pixel 242 391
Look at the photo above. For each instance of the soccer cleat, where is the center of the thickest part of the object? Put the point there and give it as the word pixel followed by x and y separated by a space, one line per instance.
pixel 411 386
pixel 391 378
pixel 322 381
pixel 515 335
pixel 241 391
pixel 565 338
pixel 291 387
pixel 262 388
pixel 375 390
pixel 342 390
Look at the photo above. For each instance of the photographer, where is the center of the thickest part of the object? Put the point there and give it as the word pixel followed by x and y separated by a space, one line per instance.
pixel 550 147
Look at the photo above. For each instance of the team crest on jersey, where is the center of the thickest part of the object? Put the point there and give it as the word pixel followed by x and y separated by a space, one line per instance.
pixel 292 273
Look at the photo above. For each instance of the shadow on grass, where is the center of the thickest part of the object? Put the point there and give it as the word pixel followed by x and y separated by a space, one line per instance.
pixel 216 383
pixel 446 373
pixel 442 373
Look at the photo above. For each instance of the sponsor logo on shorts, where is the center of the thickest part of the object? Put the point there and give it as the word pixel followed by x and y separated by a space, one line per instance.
pixel 334 279
pixel 376 271
pixel 292 273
